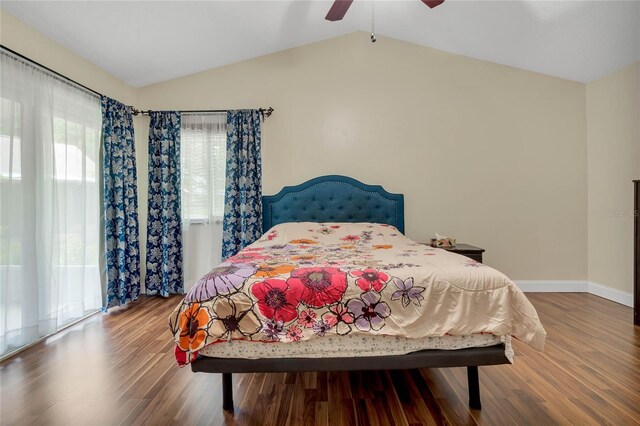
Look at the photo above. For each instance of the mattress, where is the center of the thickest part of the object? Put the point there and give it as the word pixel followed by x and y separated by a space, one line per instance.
pixel 351 346
pixel 324 281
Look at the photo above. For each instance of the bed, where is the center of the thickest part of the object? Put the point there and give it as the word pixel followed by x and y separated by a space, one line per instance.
pixel 334 268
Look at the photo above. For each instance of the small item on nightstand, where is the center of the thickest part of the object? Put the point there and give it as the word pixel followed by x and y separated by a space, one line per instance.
pixel 442 241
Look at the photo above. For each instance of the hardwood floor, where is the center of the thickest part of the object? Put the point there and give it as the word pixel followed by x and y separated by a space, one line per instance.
pixel 118 368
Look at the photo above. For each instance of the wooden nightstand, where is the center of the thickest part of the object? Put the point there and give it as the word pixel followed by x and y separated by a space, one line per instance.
pixel 468 250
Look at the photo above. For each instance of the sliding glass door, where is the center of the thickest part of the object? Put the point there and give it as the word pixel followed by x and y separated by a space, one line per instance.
pixel 49 203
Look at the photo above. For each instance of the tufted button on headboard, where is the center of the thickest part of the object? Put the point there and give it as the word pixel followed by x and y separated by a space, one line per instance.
pixel 333 198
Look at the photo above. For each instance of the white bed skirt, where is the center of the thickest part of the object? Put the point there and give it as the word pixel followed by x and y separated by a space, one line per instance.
pixel 351 346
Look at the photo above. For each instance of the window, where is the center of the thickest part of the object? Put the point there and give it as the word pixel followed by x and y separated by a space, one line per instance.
pixel 203 144
pixel 10 179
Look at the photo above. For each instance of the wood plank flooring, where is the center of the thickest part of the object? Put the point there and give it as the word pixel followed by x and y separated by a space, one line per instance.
pixel 118 368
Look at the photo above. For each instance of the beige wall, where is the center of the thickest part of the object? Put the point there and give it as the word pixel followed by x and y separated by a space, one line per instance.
pixel 613 153
pixel 496 156
pixel 493 155
pixel 17 36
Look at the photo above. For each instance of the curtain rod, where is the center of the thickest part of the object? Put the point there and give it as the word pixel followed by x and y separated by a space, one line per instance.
pixel 50 70
pixel 266 112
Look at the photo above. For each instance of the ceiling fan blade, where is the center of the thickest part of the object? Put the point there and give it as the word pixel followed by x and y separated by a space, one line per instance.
pixel 338 10
pixel 433 3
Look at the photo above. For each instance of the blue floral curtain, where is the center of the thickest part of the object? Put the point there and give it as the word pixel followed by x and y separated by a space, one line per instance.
pixel 164 228
pixel 242 223
pixel 120 204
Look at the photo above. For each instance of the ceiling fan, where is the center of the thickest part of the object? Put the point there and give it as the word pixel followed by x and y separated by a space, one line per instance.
pixel 340 7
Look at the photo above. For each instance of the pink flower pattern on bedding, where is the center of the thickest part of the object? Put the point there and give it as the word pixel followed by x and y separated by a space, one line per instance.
pixel 304 281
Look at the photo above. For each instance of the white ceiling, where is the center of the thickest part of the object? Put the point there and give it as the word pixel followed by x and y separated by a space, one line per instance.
pixel 145 42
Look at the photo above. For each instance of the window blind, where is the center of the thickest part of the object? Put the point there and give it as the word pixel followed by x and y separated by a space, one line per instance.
pixel 203 140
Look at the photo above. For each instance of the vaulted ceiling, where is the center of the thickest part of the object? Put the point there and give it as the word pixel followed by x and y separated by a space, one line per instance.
pixel 145 42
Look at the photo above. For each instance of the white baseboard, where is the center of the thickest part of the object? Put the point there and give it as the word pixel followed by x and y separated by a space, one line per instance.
pixel 553 286
pixel 605 292
pixel 612 294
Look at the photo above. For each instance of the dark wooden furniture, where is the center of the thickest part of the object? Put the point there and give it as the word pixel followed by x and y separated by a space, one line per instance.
pixel 472 252
pixel 636 253
pixel 343 199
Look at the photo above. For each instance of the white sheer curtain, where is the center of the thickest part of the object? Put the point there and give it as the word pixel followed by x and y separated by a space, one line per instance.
pixel 203 145
pixel 49 203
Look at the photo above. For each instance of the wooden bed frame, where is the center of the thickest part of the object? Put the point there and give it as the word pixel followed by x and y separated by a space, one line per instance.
pixel 342 199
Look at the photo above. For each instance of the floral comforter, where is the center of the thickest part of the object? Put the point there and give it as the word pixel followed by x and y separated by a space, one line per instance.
pixel 304 281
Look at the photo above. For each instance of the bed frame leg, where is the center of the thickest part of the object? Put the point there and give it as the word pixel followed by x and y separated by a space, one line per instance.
pixel 227 392
pixel 474 387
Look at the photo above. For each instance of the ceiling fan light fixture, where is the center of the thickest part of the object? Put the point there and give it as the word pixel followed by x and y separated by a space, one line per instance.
pixel 338 10
pixel 433 3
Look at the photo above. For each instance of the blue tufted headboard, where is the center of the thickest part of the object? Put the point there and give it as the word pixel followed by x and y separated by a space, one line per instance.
pixel 333 198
